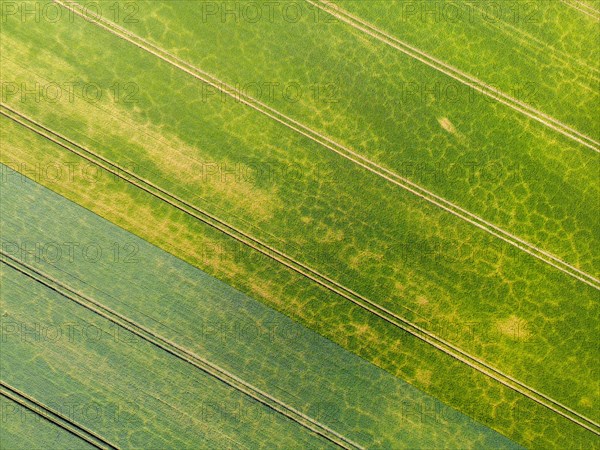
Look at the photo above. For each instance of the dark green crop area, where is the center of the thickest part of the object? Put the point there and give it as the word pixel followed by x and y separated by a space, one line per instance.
pixel 355 224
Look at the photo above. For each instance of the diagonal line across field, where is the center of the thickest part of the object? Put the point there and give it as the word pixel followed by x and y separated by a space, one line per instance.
pixel 322 280
pixel 23 288
pixel 341 150
pixel 54 417
pixel 583 8
pixel 528 39
pixel 180 352
pixel 455 73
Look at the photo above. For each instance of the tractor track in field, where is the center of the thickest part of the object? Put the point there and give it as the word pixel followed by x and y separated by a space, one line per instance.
pixel 179 352
pixel 527 39
pixel 339 149
pixel 322 280
pixel 474 83
pixel 583 8
pixel 54 417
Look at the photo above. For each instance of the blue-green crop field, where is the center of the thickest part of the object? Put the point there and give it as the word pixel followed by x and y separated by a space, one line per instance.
pixel 300 224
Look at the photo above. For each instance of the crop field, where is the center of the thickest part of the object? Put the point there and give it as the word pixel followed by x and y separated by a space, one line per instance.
pixel 207 319
pixel 26 430
pixel 346 224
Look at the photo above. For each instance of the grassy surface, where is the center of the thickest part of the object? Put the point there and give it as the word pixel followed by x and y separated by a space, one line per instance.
pixel 23 430
pixel 522 316
pixel 402 252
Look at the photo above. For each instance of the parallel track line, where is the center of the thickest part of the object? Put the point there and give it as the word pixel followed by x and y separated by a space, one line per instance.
pixel 180 352
pixel 349 154
pixel 468 80
pixel 311 274
pixel 54 417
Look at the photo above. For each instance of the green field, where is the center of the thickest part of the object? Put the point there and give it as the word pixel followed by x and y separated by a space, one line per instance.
pixel 209 319
pixel 131 394
pixel 464 146
pixel 374 194
pixel 23 429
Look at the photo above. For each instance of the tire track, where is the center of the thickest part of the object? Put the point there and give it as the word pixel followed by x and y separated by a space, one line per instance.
pixel 312 275
pixel 180 352
pixel 526 39
pixel 343 151
pixel 179 413
pixel 54 417
pixel 456 74
pixel 583 8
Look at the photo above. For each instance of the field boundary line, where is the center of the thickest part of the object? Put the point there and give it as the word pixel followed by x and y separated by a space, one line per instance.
pixel 349 154
pixel 181 353
pixel 459 75
pixel 320 279
pixel 54 417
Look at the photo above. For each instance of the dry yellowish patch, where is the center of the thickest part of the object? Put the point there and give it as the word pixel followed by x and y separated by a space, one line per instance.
pixel 514 328
pixel 399 287
pixel 222 181
pixel 447 125
pixel 264 290
pixel 362 328
pixel 423 376
pixel 422 300
pixel 202 174
pixel 360 258
pixel 331 235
